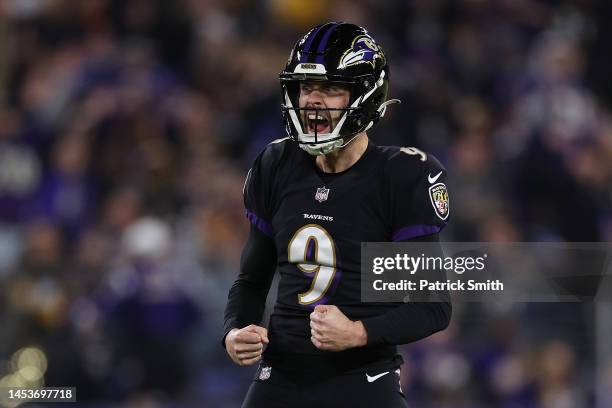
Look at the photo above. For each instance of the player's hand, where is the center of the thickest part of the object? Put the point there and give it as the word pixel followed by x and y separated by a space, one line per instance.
pixel 331 330
pixel 245 345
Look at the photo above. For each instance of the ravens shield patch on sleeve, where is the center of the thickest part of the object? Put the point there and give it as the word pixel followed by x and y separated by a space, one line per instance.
pixel 439 200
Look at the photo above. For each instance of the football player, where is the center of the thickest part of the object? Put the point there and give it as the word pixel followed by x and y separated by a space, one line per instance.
pixel 312 198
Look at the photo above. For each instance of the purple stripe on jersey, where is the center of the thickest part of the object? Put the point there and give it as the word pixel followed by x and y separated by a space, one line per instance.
pixel 413 231
pixel 261 224
pixel 309 43
pixel 323 43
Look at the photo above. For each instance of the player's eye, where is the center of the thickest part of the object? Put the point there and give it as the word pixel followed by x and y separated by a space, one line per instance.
pixel 305 88
pixel 332 90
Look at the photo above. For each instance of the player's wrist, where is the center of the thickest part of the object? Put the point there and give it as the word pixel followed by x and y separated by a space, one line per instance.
pixel 360 334
pixel 228 337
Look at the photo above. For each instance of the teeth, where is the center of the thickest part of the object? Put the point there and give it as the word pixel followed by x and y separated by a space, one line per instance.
pixel 313 116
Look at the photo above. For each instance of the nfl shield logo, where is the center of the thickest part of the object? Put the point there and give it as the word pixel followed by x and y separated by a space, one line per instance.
pixel 265 372
pixel 322 194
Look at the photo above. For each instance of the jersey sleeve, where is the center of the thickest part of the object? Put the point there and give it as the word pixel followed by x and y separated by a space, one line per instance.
pixel 258 191
pixel 247 297
pixel 259 187
pixel 419 195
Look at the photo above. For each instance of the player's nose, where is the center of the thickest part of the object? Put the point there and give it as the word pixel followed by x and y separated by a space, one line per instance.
pixel 315 97
pixel 316 103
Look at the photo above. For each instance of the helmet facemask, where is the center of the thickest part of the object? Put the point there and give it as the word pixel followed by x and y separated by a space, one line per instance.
pixel 333 130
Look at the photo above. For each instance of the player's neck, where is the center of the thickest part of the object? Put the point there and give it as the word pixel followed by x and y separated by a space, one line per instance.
pixel 345 157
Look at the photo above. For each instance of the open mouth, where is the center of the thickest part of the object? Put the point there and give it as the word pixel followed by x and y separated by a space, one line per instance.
pixel 317 123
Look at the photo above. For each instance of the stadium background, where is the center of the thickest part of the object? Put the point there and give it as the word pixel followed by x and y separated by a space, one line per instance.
pixel 126 129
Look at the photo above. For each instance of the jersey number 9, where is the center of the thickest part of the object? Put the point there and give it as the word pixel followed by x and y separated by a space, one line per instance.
pixel 312 250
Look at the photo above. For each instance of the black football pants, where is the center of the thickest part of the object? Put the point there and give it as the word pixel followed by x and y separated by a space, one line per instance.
pixel 273 389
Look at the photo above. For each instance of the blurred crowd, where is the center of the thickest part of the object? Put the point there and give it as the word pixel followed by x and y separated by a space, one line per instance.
pixel 126 130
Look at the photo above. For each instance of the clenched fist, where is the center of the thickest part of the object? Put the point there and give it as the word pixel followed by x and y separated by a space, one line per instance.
pixel 331 330
pixel 245 345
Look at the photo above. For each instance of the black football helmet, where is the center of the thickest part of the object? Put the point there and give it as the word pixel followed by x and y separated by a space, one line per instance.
pixel 344 54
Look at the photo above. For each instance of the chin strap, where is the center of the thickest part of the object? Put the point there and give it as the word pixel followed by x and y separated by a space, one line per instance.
pixel 380 112
pixel 323 148
pixel 383 106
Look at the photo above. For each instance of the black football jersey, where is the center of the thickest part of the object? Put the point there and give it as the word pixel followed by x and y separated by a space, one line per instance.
pixel 318 222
